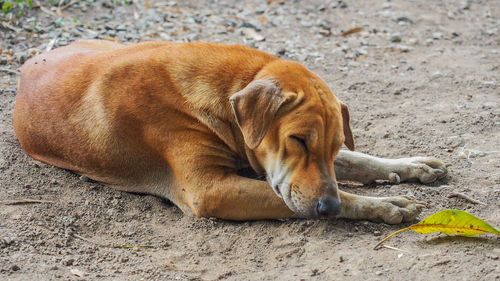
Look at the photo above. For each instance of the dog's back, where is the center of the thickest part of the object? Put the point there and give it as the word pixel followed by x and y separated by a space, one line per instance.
pixel 94 106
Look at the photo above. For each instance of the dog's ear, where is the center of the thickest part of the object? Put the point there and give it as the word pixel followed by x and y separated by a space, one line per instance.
pixel 254 108
pixel 349 140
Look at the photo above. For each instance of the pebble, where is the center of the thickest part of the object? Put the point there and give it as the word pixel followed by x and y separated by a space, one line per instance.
pixel 3 60
pixel 403 48
pixel 491 32
pixel 413 41
pixel 377 233
pixel 21 57
pixel 490 84
pixel 281 51
pixel 464 5
pixel 84 178
pixel 7 241
pixel 15 267
pixel 68 262
pixel 437 35
pixel 404 19
pixel 395 38
pixel 436 75
pixel 251 34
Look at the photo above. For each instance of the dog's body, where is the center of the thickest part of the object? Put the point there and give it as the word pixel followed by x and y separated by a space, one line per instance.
pixel 180 120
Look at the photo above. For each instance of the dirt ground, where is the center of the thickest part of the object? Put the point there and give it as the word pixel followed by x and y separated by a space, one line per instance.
pixel 420 78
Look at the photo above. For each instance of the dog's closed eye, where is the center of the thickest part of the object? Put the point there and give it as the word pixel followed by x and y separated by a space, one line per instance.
pixel 299 140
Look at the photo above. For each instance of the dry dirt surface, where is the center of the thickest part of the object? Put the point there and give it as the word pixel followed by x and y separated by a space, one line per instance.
pixel 420 78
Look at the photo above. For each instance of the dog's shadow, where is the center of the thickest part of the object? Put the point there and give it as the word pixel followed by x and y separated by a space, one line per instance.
pixel 462 240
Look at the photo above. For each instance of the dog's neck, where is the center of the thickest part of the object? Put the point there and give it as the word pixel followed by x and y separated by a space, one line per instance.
pixel 210 101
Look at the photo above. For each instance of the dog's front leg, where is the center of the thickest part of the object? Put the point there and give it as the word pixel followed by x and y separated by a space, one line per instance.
pixel 232 197
pixel 391 210
pixel 364 168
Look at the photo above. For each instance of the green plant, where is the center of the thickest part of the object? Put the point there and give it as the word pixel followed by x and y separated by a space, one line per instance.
pixel 17 7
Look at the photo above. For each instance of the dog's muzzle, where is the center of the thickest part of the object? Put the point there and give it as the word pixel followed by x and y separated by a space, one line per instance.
pixel 328 207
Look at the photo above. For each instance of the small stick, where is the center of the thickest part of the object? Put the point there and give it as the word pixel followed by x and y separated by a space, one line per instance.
pixel 394 248
pixel 463 196
pixel 45 10
pixel 111 246
pixel 6 25
pixel 26 201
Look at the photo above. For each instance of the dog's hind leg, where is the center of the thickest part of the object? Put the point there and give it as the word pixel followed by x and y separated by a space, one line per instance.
pixel 355 166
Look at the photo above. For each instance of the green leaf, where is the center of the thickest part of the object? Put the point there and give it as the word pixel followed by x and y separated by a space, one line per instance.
pixel 454 221
pixel 449 222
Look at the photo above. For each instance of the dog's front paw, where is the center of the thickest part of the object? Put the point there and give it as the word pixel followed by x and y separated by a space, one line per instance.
pixel 423 169
pixel 393 210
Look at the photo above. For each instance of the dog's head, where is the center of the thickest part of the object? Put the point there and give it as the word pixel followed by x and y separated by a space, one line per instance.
pixel 295 127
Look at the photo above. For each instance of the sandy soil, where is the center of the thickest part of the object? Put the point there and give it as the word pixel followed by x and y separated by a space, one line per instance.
pixel 436 93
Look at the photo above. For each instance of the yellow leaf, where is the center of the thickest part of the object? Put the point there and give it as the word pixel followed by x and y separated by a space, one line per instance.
pixel 449 222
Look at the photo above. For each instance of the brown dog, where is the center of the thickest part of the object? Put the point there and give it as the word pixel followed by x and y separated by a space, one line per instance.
pixel 182 121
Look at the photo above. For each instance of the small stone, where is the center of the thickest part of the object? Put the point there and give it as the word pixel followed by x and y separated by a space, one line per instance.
pixel 21 57
pixel 464 5
pixel 395 38
pixel 54 267
pixel 490 84
pixel 429 42
pixel 53 181
pixel 403 48
pixel 404 19
pixel 281 51
pixel 77 272
pixel 3 60
pixel 252 25
pixel 84 178
pixel 124 259
pixel 376 232
pixel 491 32
pixel 437 35
pixel 7 241
pixel 193 37
pixel 378 273
pixel 68 262
pixel 437 75
pixel 341 259
pixel 15 267
pixel 343 4
pixel 386 5
pixel 251 34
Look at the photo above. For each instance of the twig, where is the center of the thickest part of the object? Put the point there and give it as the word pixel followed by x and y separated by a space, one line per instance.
pixel 111 246
pixel 394 248
pixel 463 196
pixel 9 71
pixel 351 31
pixel 51 43
pixel 26 201
pixel 6 25
pixel 45 10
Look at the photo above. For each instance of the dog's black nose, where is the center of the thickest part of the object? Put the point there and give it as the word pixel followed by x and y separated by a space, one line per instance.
pixel 328 206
